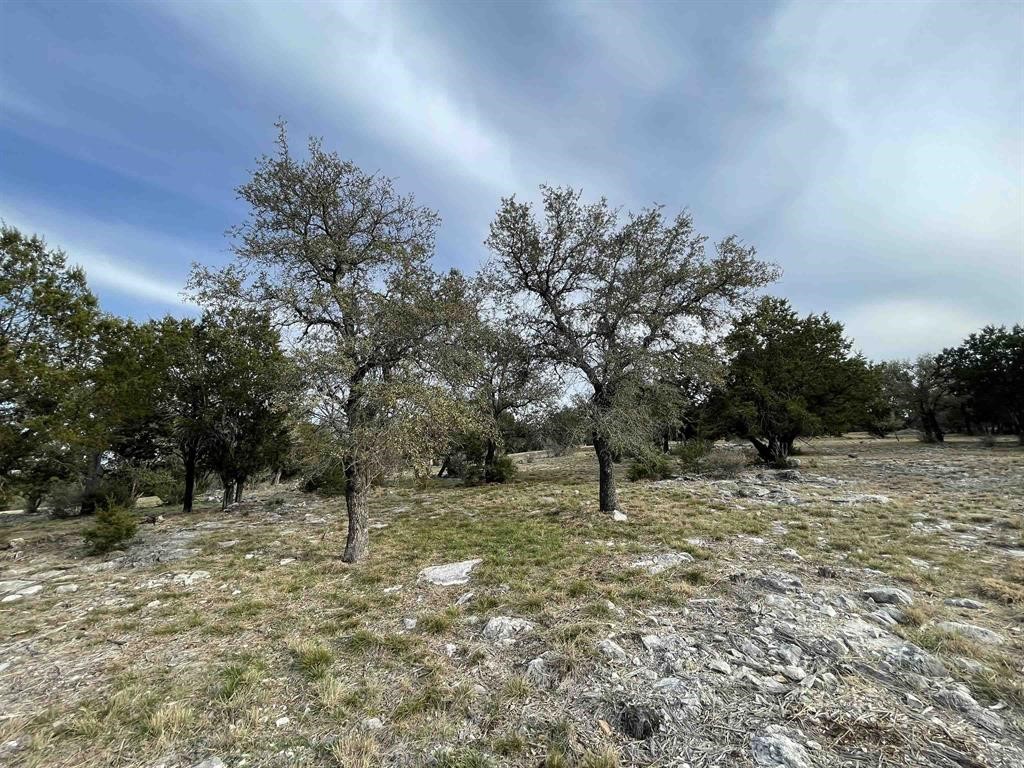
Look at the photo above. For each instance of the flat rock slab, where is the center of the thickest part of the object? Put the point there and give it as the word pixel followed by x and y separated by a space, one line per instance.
pixel 775 748
pixel 659 563
pixel 450 574
pixel 971 632
pixel 888 596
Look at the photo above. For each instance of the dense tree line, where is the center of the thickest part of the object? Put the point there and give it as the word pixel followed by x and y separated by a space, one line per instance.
pixel 331 346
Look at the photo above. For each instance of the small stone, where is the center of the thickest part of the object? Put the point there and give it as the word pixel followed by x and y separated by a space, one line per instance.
pixel 888 595
pixel 827 572
pixel 506 627
pixel 282 721
pixel 188 579
pixel 12 598
pixel 409 623
pixel 796 674
pixel 775 748
pixel 790 554
pixel 35 589
pixel 721 666
pixel 619 517
pixel 287 560
pixel 964 602
pixel 67 588
pixel 612 650
pixel 449 574
pixel 372 724
pixel 463 599
pixel 660 563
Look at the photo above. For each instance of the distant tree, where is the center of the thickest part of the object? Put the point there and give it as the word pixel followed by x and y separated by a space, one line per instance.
pixel 509 381
pixel 987 373
pixel 251 384
pixel 48 319
pixel 930 396
pixel 343 260
pixel 608 297
pixel 891 409
pixel 789 377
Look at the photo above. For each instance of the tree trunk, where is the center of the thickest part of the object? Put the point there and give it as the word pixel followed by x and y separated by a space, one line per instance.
pixel 606 473
pixel 773 450
pixel 492 452
pixel 190 479
pixel 239 484
pixel 665 440
pixel 444 467
pixel 91 487
pixel 229 493
pixel 276 477
pixel 356 504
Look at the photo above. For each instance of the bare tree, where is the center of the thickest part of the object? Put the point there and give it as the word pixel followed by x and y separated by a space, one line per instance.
pixel 611 296
pixel 342 259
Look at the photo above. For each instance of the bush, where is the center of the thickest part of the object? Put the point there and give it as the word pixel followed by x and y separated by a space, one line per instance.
pixel 112 527
pixel 502 471
pixel 326 481
pixel 651 466
pixel 692 451
pixel 64 498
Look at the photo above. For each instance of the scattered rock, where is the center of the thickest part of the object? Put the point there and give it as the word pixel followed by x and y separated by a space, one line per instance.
pixel 67 588
pixel 860 498
pixel 775 748
pixel 282 721
pixel 790 475
pixel 287 560
pixel 719 665
pixel 659 563
pixel 506 627
pixel 409 623
pixel 372 724
pixel 463 599
pixel 450 574
pixel 619 517
pixel 148 502
pixel 964 602
pixel 188 579
pixel 828 572
pixel 612 650
pixel 888 595
pixel 971 632
pixel 790 554
pixel 12 598
pixel 913 659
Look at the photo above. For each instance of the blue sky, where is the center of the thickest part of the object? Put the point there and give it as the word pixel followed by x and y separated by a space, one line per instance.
pixel 875 151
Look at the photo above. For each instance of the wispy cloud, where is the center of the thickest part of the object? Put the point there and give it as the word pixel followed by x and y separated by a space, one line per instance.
pixel 111 253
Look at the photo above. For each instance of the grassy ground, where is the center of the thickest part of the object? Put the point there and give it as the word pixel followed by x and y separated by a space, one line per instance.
pixel 284 655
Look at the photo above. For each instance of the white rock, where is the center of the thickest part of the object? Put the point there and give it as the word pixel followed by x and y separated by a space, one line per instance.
pixel 12 598
pixel 67 588
pixel 721 666
pixel 971 632
pixel 619 517
pixel 188 579
pixel 964 602
pixel 282 721
pixel 450 574
pixel 888 595
pixel 287 560
pixel 372 724
pixel 506 627
pixel 775 749
pixel 463 599
pixel 409 623
pixel 35 589
pixel 612 650
pixel 659 563
pixel 790 554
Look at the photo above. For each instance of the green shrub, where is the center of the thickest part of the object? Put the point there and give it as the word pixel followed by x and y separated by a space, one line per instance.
pixel 112 527
pixel 503 470
pixel 651 466
pixel 692 451
pixel 64 498
pixel 326 480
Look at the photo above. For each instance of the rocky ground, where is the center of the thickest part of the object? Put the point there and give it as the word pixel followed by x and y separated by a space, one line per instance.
pixel 863 609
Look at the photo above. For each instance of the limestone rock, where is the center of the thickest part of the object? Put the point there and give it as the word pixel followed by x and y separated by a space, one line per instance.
pixel 506 627
pixel 449 574
pixel 964 602
pixel 660 563
pixel 775 748
pixel 971 632
pixel 888 595
pixel 612 650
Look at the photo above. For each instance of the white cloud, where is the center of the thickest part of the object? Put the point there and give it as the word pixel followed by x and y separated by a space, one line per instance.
pixel 110 252
pixel 895 328
pixel 358 62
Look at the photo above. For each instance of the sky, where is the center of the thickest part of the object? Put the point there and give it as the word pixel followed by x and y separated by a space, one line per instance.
pixel 875 151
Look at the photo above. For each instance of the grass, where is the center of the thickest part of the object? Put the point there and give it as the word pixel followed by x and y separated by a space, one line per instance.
pixel 322 642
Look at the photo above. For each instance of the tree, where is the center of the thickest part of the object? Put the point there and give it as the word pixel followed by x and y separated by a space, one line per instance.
pixel 342 259
pixel 891 409
pixel 789 377
pixel 987 372
pixel 930 397
pixel 47 327
pixel 250 380
pixel 607 297
pixel 508 382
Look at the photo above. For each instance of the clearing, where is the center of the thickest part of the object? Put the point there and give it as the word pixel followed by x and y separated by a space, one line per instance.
pixel 866 609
